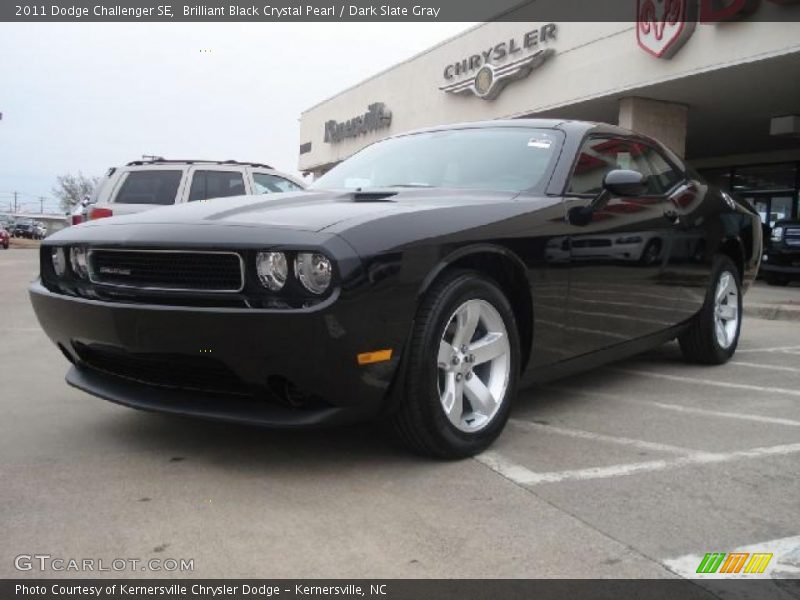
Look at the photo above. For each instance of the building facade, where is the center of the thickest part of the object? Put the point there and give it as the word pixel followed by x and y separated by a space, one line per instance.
pixel 726 95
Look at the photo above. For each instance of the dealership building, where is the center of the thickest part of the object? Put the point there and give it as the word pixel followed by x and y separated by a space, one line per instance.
pixel 723 94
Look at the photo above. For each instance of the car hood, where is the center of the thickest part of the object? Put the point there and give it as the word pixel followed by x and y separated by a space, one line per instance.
pixel 311 211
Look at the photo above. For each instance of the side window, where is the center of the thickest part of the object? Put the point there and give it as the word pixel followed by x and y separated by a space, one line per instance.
pixel 598 156
pixel 149 187
pixel 216 184
pixel 268 184
pixel 664 172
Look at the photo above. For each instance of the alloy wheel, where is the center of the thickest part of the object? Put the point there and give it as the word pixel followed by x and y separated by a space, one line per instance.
pixel 726 309
pixel 474 365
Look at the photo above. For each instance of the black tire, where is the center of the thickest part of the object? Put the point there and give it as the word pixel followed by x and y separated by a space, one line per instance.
pixel 420 421
pixel 651 252
pixel 699 342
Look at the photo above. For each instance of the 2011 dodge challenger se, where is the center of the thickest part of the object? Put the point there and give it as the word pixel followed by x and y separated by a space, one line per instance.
pixel 422 282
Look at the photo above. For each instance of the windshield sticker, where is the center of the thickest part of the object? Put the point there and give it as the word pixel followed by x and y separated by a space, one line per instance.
pixel 540 142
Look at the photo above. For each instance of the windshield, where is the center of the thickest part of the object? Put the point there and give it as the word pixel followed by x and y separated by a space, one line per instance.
pixel 493 158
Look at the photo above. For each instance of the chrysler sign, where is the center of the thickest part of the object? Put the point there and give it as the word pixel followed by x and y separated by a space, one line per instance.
pixel 377 117
pixel 487 72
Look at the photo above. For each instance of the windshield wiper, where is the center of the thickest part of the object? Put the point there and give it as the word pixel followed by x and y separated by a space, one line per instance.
pixel 408 185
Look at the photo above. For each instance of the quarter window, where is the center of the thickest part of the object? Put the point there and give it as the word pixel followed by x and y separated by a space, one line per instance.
pixel 601 155
pixel 268 184
pixel 149 187
pixel 216 184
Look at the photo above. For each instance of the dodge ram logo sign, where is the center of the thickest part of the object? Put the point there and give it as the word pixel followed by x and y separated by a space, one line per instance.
pixel 664 26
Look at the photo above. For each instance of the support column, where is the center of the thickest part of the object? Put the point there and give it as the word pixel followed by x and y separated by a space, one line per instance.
pixel 664 121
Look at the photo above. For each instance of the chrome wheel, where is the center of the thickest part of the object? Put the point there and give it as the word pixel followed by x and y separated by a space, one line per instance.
pixel 474 364
pixel 726 310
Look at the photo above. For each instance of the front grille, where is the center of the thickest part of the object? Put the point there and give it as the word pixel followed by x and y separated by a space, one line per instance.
pixel 792 236
pixel 591 243
pixel 174 270
pixel 199 373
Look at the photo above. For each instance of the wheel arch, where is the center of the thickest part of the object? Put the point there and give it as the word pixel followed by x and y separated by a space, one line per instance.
pixel 505 268
pixel 733 248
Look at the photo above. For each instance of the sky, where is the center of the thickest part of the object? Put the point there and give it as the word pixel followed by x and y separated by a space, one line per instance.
pixel 82 97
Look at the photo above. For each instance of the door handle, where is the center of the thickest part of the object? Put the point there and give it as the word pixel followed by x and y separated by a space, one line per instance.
pixel 672 216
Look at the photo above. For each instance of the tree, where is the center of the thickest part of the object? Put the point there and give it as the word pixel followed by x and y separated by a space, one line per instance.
pixel 72 189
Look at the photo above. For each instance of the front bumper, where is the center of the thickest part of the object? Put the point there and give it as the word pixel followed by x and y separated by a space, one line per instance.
pixel 781 263
pixel 289 368
pixel 780 269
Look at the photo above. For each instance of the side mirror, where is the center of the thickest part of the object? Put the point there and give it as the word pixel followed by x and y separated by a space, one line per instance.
pixel 622 182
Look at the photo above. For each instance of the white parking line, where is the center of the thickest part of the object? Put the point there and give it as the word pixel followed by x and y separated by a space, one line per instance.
pixel 727 415
pixel 740 363
pixel 600 437
pixel 783 565
pixel 677 407
pixel 626 317
pixel 711 382
pixel 781 349
pixel 583 329
pixel 603 303
pixel 523 476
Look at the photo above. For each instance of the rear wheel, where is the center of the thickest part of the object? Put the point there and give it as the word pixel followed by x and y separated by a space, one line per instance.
pixel 651 252
pixel 713 334
pixel 462 367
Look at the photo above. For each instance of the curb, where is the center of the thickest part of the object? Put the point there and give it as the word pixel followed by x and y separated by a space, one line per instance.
pixel 773 312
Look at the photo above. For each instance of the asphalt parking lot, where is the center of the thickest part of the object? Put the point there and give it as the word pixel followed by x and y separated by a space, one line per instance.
pixel 634 470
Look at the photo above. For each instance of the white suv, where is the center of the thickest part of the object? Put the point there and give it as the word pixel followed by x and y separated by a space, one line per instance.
pixel 146 184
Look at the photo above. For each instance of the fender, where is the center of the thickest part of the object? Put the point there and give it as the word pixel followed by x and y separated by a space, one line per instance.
pixel 464 252
pixel 523 305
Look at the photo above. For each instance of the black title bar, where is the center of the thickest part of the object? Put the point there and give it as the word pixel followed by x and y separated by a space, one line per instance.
pixel 384 10
pixel 394 589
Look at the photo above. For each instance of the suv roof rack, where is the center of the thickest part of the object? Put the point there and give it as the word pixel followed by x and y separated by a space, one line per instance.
pixel 164 161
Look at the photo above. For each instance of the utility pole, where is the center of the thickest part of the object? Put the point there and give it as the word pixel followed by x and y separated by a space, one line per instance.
pixel 41 204
pixel 15 202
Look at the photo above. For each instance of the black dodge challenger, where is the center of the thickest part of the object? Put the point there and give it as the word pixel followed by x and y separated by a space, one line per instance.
pixel 422 281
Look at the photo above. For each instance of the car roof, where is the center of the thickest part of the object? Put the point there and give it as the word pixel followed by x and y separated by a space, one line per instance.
pixel 569 126
pixel 195 161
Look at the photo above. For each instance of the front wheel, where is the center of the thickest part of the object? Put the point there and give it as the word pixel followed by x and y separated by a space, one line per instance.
pixel 713 334
pixel 462 368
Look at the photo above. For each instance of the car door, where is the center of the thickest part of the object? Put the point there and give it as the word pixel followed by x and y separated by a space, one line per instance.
pixel 617 292
pixel 216 181
pixel 687 268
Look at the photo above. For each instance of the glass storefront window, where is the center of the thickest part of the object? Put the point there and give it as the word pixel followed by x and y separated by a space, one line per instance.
pixel 772 189
pixel 781 209
pixel 765 178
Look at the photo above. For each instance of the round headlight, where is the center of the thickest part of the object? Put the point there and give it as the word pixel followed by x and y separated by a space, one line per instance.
pixel 272 269
pixel 77 258
pixel 59 261
pixel 314 271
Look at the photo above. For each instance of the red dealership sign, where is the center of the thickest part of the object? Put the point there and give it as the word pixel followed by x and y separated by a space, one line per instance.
pixel 664 26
